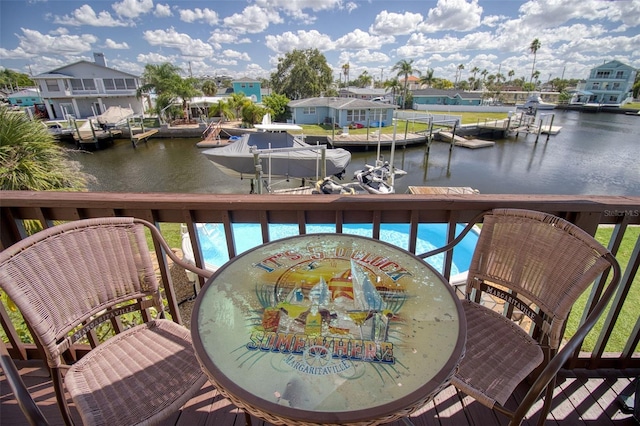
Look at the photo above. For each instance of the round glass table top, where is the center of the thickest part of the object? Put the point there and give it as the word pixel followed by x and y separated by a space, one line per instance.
pixel 328 328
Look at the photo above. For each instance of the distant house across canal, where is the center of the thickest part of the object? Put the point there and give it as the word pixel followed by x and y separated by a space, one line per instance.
pixel 341 112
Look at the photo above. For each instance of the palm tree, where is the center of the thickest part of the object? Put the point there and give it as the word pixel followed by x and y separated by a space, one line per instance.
pixel 405 68
pixel 458 74
pixel 222 109
pixel 209 88
pixel 32 160
pixel 484 75
pixel 345 71
pixel 394 86
pixel 533 48
pixel 511 74
pixel 237 101
pixel 427 78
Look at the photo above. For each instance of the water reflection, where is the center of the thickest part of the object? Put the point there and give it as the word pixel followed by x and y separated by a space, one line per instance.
pixel 593 154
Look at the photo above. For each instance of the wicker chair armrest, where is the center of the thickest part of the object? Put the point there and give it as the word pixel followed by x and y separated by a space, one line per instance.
pixel 456 240
pixel 556 363
pixel 158 237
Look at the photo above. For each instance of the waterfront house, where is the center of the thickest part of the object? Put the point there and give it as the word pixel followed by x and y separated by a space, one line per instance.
pixel 25 97
pixel 609 84
pixel 367 93
pixel 341 111
pixel 85 89
pixel 250 87
pixel 445 97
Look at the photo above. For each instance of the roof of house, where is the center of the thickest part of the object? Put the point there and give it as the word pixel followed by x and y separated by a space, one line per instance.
pixel 245 80
pixel 449 93
pixel 339 103
pixel 613 64
pixel 364 91
pixel 57 73
pixel 28 92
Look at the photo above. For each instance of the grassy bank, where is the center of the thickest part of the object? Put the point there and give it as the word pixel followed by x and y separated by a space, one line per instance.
pixel 403 125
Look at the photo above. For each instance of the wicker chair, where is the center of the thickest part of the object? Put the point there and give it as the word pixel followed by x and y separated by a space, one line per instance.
pixel 539 265
pixel 67 280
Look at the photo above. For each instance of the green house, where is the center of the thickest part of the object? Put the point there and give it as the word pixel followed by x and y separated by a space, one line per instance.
pixel 248 86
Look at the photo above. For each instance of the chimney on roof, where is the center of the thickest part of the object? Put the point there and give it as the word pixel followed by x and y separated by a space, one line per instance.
pixel 98 58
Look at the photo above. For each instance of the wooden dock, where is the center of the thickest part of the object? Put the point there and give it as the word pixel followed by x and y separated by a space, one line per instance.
pixel 144 136
pixel 442 190
pixel 467 143
pixel 371 140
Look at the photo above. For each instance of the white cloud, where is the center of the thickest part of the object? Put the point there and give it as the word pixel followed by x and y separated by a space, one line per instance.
pixel 186 45
pixel 453 15
pixel 155 58
pixel 366 57
pixel 207 16
pixel 253 19
pixel 85 15
pixel 133 8
pixel 395 23
pixel 110 44
pixel 288 41
pixel 234 54
pixel 33 42
pixel 162 11
pixel 359 39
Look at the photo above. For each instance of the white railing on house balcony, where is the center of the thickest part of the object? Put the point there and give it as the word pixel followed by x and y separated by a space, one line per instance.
pixel 620 213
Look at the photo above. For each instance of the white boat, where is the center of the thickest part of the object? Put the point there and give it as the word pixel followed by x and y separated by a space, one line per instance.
pixel 535 103
pixel 60 130
pixel 378 179
pixel 278 153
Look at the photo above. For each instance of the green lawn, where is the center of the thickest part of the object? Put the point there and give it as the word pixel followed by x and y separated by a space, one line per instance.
pixel 467 118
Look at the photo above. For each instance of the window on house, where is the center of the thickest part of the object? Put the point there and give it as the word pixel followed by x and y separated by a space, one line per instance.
pixel 130 83
pixel 620 74
pixel 52 85
pixel 356 115
pixel 595 86
pixel 603 74
pixel 243 85
pixel 616 86
pixel 89 84
pixel 76 84
pixel 309 110
pixel 250 84
pixel 109 84
pixel 119 83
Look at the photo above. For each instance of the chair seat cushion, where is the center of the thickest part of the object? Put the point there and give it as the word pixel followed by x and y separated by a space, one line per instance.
pixel 137 377
pixel 499 355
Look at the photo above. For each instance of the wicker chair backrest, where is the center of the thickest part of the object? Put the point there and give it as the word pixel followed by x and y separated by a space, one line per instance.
pixel 64 275
pixel 544 259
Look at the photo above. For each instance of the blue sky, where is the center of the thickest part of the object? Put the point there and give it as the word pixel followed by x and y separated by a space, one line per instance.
pixel 245 38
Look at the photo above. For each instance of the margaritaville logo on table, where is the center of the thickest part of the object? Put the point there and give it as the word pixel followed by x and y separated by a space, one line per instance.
pixel 323 313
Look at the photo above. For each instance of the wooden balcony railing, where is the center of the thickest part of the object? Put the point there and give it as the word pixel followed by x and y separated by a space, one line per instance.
pixel 588 212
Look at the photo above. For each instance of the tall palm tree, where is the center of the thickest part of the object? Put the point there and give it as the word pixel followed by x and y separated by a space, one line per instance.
pixel 345 71
pixel 31 159
pixel 393 85
pixel 459 74
pixel 427 78
pixel 484 73
pixel 511 74
pixel 533 48
pixel 404 68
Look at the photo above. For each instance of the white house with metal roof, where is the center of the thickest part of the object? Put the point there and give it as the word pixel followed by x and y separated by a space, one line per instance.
pixel 341 112
pixel 85 89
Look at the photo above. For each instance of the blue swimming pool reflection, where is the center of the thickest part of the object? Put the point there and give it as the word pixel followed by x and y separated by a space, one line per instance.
pixel 248 235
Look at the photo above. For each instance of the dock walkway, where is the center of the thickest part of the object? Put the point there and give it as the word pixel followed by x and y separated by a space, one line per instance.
pixel 464 142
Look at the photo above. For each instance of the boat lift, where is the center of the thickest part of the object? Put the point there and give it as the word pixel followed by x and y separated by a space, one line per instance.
pixel 258 153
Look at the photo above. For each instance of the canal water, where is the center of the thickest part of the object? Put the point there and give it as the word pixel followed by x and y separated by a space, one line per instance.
pixel 594 154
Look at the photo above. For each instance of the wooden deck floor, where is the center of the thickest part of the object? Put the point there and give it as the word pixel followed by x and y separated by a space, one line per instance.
pixel 581 398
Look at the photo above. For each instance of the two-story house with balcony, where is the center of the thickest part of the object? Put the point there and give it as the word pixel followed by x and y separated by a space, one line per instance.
pixel 609 84
pixel 85 89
